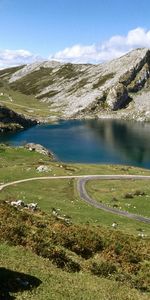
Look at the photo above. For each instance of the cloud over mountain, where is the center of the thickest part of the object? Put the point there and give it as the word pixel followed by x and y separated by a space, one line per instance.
pixel 115 47
pixel 107 50
pixel 9 58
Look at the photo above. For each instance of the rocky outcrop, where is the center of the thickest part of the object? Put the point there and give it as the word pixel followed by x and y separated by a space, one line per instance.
pixel 9 127
pixel 40 149
pixel 11 121
pixel 118 97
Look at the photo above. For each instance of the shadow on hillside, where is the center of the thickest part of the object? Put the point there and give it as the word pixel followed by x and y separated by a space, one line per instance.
pixel 13 282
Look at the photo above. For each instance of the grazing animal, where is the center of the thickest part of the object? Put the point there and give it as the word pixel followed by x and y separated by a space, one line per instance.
pixel 17 203
pixel 32 206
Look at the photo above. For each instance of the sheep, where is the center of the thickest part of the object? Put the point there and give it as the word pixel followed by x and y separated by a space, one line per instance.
pixel 32 206
pixel 17 203
pixel 114 225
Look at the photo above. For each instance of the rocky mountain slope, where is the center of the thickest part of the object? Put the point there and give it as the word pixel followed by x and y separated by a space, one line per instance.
pixel 116 89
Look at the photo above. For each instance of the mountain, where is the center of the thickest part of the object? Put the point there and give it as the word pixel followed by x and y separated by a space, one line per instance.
pixel 51 90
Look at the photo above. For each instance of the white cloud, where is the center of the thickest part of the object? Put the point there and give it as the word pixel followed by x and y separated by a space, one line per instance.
pixel 96 53
pixel 107 50
pixel 10 58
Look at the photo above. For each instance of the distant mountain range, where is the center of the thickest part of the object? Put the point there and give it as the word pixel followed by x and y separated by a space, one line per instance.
pixel 51 90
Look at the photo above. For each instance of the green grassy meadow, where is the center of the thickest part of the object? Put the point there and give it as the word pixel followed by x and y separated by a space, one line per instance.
pixel 87 259
pixel 30 107
pixel 129 195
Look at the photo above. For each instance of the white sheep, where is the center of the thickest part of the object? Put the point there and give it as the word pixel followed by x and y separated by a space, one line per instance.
pixel 32 206
pixel 17 203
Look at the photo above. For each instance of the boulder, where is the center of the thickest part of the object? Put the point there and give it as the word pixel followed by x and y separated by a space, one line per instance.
pixel 43 168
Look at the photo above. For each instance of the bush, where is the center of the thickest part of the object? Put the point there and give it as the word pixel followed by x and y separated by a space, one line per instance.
pixel 58 257
pixel 128 196
pixel 139 193
pixel 103 268
pixel 81 240
pixel 134 258
pixel 118 248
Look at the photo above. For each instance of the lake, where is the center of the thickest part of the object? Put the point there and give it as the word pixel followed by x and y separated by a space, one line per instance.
pixel 91 141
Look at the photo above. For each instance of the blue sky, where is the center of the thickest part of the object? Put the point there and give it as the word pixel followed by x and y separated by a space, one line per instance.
pixel 71 30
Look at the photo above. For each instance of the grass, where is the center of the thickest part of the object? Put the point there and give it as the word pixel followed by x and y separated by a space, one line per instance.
pixel 77 86
pixel 47 195
pixel 20 95
pixel 49 94
pixel 102 80
pixel 57 284
pixel 23 95
pixel 31 106
pixel 68 71
pixel 34 82
pixel 86 260
pixel 19 163
pixel 128 195
pixel 79 249
pixel 6 73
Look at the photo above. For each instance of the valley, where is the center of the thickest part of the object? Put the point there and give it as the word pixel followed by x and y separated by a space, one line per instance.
pixel 75 226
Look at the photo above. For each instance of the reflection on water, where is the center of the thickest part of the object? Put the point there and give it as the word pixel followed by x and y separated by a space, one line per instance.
pixel 93 141
pixel 129 139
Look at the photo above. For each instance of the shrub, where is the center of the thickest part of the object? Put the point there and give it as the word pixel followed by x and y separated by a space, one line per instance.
pixel 118 248
pixel 134 258
pixel 103 268
pixel 58 257
pixel 81 240
pixel 128 196
pixel 139 193
pixel 102 80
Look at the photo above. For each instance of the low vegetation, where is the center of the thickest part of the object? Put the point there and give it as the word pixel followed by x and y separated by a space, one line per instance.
pixel 77 86
pixel 102 80
pixel 48 94
pixel 25 104
pixel 34 82
pixel 75 248
pixel 68 71
pixel 6 73
pixel 67 249
pixel 48 282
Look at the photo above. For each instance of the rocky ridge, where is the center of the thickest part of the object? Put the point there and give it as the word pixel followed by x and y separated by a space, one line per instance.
pixel 116 89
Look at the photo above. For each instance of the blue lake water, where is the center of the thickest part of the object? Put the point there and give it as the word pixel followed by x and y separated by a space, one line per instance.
pixel 91 141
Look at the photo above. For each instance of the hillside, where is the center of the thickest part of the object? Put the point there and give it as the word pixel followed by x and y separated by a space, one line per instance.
pixel 51 90
pixel 114 260
pixel 66 248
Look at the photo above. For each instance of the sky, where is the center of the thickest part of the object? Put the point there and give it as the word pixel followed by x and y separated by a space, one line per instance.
pixel 79 31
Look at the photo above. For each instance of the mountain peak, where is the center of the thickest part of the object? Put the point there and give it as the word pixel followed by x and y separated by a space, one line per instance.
pixel 83 90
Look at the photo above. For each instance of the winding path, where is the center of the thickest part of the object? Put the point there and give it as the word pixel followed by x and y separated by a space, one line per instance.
pixel 84 195
pixel 82 179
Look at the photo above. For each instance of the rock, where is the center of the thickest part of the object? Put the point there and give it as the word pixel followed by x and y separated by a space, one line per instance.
pixel 117 97
pixel 43 168
pixel 40 149
pixel 6 127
